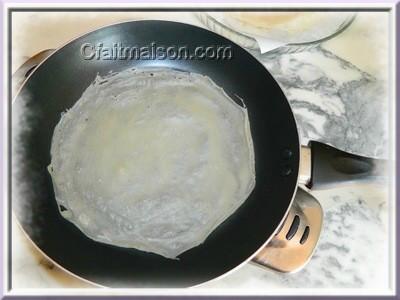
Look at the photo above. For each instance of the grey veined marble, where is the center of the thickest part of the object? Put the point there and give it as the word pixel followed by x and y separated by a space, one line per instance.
pixel 352 251
pixel 333 101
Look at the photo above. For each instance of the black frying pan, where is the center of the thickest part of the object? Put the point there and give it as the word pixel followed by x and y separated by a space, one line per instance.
pixel 59 82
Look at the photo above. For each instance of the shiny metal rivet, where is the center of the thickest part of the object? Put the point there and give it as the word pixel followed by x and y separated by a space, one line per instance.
pixel 286 171
pixel 287 153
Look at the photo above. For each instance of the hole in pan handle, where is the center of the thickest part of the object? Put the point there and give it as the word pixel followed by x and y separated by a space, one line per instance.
pixel 27 68
pixel 292 247
pixel 321 166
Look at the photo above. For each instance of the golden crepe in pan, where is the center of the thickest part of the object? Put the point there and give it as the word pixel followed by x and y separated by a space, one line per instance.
pixel 152 159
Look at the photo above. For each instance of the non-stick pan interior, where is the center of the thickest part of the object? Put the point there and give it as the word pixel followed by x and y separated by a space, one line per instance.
pixel 59 82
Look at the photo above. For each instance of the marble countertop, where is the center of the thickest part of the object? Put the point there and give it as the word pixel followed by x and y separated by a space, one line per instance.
pixel 338 96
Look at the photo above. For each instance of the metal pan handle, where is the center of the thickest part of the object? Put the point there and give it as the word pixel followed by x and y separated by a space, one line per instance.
pixel 23 71
pixel 323 166
pixel 294 243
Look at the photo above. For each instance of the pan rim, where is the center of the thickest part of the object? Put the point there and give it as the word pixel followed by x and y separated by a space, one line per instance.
pixel 18 91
